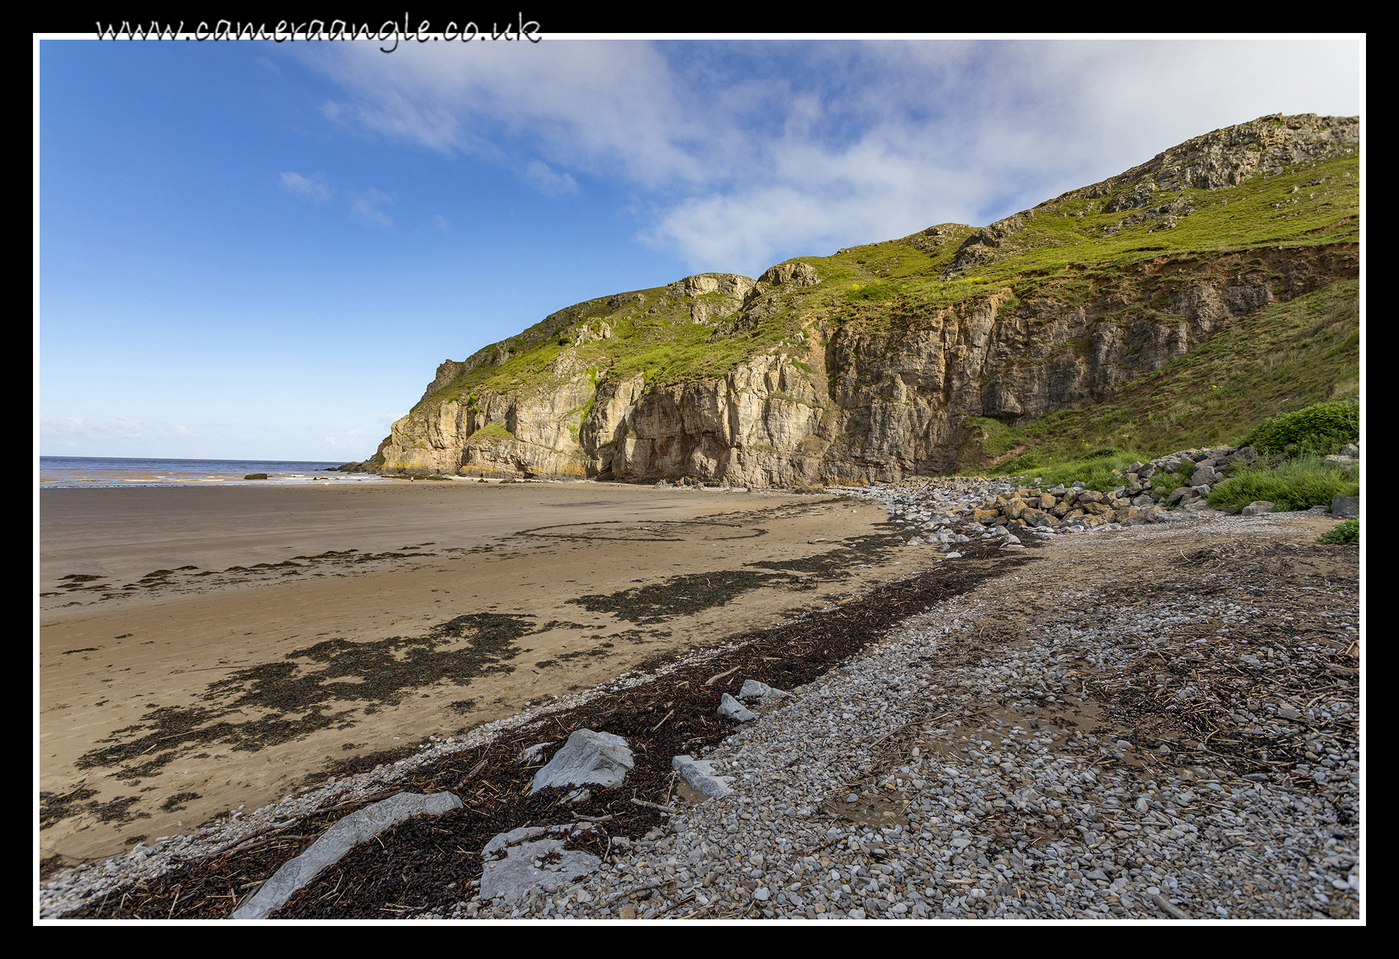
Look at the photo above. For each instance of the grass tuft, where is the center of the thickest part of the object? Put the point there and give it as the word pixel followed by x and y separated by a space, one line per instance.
pixel 1299 484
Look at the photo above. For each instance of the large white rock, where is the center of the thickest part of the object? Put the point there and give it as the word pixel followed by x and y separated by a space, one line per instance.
pixel 700 775
pixel 588 759
pixel 339 839
pixel 752 689
pixel 526 858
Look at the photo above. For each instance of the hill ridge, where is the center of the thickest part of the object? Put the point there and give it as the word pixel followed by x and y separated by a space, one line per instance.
pixel 866 365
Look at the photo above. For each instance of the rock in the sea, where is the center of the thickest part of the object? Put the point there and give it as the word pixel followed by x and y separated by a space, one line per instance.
pixel 589 758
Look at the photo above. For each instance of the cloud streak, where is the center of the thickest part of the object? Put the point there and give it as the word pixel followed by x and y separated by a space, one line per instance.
pixel 364 207
pixel 740 152
pixel 312 188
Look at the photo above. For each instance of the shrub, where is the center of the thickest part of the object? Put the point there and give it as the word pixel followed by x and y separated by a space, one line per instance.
pixel 1345 532
pixel 1321 430
pixel 1300 484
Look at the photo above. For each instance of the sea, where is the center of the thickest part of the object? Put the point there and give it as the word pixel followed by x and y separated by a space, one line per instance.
pixel 86 472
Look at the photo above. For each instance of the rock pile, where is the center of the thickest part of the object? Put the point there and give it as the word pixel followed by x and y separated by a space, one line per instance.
pixel 945 511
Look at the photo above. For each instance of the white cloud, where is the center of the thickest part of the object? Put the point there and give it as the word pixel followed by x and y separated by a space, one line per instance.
pixel 441 222
pixel 118 427
pixel 546 181
pixel 364 207
pixel 739 151
pixel 312 188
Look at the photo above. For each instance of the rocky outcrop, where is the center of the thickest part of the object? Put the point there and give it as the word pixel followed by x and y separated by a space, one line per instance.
pixel 871 405
pixel 821 391
pixel 1232 155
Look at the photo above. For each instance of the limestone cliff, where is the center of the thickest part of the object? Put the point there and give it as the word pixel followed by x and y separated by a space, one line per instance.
pixel 864 365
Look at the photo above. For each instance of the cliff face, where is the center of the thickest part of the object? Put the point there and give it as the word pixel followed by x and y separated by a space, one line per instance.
pixel 863 365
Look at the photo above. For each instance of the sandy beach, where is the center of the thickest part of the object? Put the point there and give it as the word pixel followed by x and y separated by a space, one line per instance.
pixel 209 648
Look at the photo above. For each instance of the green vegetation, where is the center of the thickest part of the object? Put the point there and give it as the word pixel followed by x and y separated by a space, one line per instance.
pixel 1281 359
pixel 1102 470
pixel 1322 429
pixel 492 434
pixel 1347 531
pixel 1298 484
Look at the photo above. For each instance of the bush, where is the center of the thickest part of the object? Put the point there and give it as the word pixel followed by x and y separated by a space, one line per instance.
pixel 1300 484
pixel 1321 430
pixel 1346 532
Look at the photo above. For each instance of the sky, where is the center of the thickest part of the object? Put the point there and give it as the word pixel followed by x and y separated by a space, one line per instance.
pixel 263 250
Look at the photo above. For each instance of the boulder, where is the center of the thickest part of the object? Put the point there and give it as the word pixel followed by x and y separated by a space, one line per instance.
pixel 699 774
pixel 1345 505
pixel 589 758
pixel 733 709
pixel 752 689
pixel 523 859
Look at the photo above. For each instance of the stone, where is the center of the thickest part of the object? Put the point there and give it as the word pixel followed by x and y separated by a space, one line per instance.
pixel 732 709
pixel 524 859
pixel 1257 508
pixel 588 758
pixel 534 753
pixel 1345 505
pixel 700 775
pixel 339 839
pixel 752 689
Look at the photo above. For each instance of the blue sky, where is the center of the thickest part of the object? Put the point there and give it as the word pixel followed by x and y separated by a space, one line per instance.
pixel 263 250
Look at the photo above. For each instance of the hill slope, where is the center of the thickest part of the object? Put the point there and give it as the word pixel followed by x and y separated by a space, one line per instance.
pixel 914 355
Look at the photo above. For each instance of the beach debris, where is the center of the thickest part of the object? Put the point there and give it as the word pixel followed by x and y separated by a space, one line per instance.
pixel 588 758
pixel 700 775
pixel 752 689
pixel 733 709
pixel 534 753
pixel 339 839
pixel 524 859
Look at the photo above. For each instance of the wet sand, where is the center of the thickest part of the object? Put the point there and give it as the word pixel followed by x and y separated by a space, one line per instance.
pixel 202 649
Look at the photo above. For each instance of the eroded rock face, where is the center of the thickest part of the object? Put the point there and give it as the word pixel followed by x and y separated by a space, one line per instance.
pixel 871 405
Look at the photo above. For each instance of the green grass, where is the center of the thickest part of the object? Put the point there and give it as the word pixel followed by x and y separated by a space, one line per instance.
pixel 1281 359
pixel 1103 472
pixel 1321 429
pixel 1299 484
pixel 492 434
